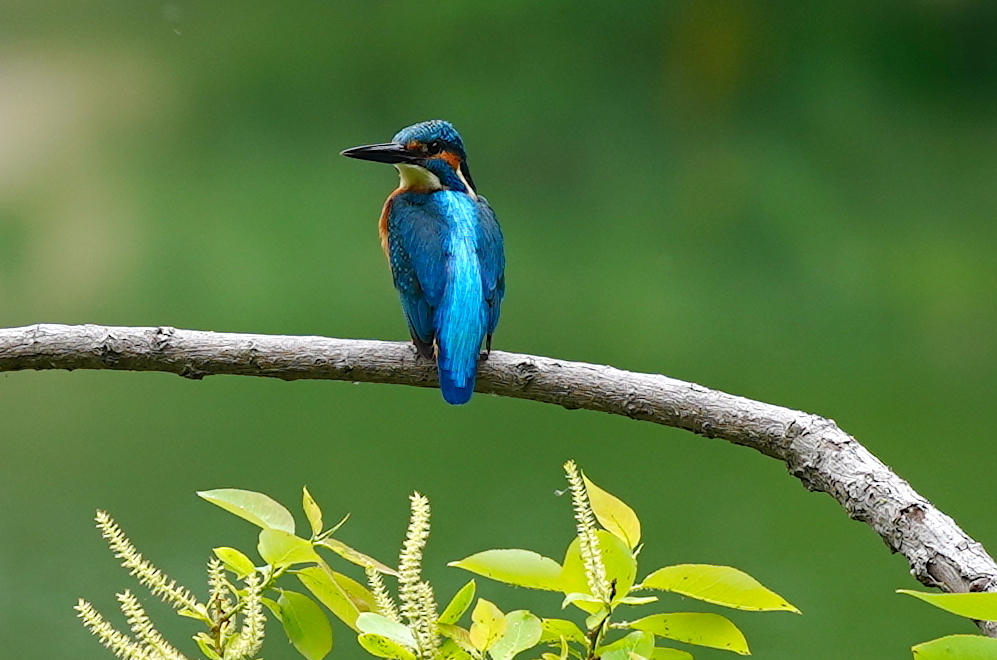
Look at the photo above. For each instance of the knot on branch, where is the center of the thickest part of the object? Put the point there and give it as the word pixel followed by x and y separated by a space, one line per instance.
pixel 107 347
pixel 162 338
pixel 526 372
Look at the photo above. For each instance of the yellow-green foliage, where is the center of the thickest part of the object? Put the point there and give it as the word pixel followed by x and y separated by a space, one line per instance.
pixel 981 606
pixel 233 617
pixel 597 576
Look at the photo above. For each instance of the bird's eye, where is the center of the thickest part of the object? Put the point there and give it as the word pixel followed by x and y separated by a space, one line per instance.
pixel 434 147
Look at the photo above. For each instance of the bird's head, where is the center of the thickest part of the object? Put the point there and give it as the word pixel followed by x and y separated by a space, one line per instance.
pixel 429 156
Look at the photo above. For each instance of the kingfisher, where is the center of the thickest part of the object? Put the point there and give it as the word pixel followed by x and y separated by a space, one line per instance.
pixel 445 250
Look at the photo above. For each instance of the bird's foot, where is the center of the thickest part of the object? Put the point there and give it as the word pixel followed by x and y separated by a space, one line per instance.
pixel 483 356
pixel 423 350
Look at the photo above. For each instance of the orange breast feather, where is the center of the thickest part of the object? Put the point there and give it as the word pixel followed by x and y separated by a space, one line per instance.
pixel 382 225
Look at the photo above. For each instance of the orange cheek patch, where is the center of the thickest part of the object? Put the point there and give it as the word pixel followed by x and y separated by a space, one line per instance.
pixel 451 158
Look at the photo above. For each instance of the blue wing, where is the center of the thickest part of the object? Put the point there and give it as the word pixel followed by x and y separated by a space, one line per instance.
pixel 491 253
pixel 415 252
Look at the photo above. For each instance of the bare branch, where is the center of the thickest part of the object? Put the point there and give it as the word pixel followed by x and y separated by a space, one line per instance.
pixel 815 450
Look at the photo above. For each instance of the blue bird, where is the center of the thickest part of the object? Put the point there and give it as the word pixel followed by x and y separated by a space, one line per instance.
pixel 445 250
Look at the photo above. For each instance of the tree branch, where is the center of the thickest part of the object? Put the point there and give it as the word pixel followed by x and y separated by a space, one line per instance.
pixel 815 450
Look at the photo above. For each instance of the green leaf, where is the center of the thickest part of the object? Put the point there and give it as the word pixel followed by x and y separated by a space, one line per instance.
pixel 720 585
pixel 522 568
pixel 257 508
pixel 377 624
pixel 641 643
pixel 554 629
pixel 957 647
pixel 312 511
pixel 355 556
pixel 981 606
pixel 698 628
pixel 670 654
pixel 271 604
pixel 281 549
pixel 305 624
pixel 617 558
pixel 637 600
pixel 592 621
pixel 565 649
pixel 488 625
pixel 522 631
pixel 451 650
pixel 576 597
pixel 459 604
pixel 358 593
pixel 613 514
pixel 459 636
pixel 324 586
pixel 199 612
pixel 382 647
pixel 204 642
pixel 235 561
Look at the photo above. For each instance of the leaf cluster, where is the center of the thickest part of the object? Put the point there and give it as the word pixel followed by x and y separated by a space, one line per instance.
pixel 233 615
pixel 980 606
pixel 283 551
pixel 597 576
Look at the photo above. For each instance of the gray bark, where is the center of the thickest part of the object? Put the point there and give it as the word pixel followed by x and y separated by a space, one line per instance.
pixel 814 449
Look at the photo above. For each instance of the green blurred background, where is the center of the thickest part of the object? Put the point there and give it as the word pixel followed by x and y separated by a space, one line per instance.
pixel 792 201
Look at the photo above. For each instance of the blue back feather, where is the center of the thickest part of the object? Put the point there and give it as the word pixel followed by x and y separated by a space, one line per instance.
pixel 461 316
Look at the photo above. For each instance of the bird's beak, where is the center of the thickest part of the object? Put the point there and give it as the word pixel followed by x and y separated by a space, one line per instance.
pixel 389 152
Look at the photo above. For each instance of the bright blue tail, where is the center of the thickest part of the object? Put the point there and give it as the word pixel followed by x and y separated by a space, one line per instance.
pixel 452 392
pixel 458 342
pixel 460 326
pixel 460 320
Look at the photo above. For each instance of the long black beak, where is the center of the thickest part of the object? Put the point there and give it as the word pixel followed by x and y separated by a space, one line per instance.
pixel 389 152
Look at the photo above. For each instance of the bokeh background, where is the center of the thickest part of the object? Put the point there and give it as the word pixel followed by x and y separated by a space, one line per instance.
pixel 792 201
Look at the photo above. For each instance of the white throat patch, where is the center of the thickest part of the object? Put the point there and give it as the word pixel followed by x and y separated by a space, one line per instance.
pixel 417 177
